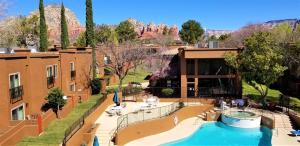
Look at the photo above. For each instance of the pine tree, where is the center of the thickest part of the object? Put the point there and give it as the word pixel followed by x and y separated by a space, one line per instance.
pixel 64 37
pixel 43 29
pixel 90 34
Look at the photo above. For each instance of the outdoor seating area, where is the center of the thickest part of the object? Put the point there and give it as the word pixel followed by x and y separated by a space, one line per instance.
pixel 109 119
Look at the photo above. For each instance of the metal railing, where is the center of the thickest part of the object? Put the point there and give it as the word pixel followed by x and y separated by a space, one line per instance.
pixel 16 94
pixel 147 114
pixel 50 82
pixel 144 115
pixel 80 122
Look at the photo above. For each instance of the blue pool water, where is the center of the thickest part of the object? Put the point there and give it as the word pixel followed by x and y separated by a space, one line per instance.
pixel 219 134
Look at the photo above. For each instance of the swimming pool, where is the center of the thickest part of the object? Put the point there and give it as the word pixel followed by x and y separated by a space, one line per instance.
pixel 219 134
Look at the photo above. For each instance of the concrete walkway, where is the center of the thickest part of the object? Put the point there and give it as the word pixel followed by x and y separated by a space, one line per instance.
pixel 183 129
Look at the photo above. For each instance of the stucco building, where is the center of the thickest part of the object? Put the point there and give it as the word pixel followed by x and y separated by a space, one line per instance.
pixel 26 78
pixel 204 73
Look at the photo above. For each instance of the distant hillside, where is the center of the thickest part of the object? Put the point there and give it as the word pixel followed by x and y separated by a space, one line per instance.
pixel 151 30
pixel 217 33
pixel 52 15
pixel 292 22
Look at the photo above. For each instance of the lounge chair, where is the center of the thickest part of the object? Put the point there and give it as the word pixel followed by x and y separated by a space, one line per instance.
pixel 296 132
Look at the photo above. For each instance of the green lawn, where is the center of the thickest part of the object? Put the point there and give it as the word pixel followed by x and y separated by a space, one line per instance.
pixel 138 76
pixel 54 134
pixel 273 95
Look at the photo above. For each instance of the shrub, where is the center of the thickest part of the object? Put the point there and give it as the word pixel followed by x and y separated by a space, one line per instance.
pixel 127 91
pixel 55 100
pixel 167 91
pixel 96 86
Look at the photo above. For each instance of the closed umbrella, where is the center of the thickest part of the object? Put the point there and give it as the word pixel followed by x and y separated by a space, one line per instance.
pixel 96 142
pixel 116 99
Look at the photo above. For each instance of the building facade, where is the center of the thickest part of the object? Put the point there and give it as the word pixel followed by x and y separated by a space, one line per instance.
pixel 26 78
pixel 204 73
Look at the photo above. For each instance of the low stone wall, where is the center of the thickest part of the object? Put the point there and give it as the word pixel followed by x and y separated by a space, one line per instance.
pixel 268 122
pixel 147 128
pixel 18 132
pixel 86 133
pixel 295 117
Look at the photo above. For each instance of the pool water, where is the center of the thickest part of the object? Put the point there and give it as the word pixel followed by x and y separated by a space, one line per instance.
pixel 219 134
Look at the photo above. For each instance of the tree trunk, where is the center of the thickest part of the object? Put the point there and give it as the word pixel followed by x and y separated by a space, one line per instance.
pixel 264 96
pixel 120 84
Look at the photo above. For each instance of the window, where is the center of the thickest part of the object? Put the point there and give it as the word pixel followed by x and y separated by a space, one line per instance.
pixel 15 88
pixel 50 71
pixel 72 66
pixel 73 72
pixel 50 76
pixel 14 80
pixel 213 67
pixel 72 88
pixel 55 70
pixel 190 66
pixel 18 113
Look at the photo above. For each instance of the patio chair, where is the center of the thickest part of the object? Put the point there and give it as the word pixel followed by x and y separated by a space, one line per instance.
pixel 296 132
pixel 233 103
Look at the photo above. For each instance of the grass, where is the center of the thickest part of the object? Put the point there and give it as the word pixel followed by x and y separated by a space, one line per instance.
pixel 273 95
pixel 138 76
pixel 54 134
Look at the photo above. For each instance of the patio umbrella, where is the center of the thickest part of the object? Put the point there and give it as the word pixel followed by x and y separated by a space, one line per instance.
pixel 96 142
pixel 116 98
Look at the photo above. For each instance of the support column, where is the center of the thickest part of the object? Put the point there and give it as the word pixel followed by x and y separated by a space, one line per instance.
pixel 196 79
pixel 183 78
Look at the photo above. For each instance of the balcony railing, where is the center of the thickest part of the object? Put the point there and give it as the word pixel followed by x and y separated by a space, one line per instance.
pixel 73 74
pixel 50 81
pixel 16 94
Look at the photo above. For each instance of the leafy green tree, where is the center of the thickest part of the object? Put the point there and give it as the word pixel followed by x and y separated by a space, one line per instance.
pixel 191 32
pixel 90 36
pixel 43 28
pixel 81 40
pixel 125 31
pixel 224 37
pixel 64 29
pixel 282 33
pixel 96 86
pixel 165 31
pixel 102 34
pixel 28 31
pixel 55 100
pixel 260 63
pixel 212 38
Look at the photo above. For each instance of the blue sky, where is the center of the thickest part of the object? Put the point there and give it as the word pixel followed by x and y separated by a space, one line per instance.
pixel 213 14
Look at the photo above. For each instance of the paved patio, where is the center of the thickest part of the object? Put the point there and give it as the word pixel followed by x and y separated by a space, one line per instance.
pixel 108 124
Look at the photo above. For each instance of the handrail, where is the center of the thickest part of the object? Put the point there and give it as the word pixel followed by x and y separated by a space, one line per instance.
pixel 122 118
pixel 80 122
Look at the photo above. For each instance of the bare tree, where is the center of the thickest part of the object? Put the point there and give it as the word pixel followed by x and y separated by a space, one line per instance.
pixel 159 59
pixel 124 57
pixel 236 38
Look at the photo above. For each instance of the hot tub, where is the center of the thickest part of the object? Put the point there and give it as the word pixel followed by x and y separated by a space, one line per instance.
pixel 241 119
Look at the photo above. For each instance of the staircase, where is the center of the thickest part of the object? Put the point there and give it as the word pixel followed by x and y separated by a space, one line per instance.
pixel 104 137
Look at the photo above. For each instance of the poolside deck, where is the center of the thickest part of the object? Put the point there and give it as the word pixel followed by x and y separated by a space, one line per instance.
pixel 108 124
